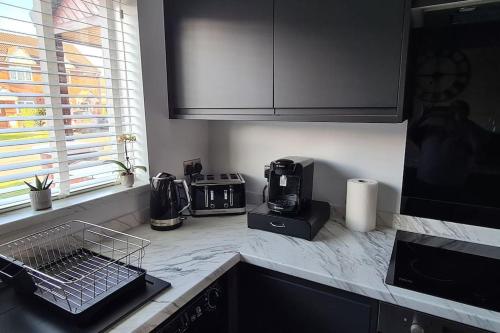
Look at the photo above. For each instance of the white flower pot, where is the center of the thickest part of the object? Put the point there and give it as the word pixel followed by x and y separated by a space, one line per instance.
pixel 127 180
pixel 41 199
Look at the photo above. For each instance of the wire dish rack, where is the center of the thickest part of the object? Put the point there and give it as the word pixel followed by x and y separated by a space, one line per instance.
pixel 75 265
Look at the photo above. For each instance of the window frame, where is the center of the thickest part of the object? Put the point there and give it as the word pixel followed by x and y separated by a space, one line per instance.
pixel 113 72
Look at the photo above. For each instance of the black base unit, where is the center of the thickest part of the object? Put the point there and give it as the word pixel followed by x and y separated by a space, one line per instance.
pixel 396 319
pixel 305 225
pixel 272 302
pixel 209 311
pixel 457 270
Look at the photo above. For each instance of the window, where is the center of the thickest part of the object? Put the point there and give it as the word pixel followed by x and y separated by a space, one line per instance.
pixel 20 73
pixel 70 84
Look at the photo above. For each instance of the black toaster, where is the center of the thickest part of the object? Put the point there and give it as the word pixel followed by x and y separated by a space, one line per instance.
pixel 215 194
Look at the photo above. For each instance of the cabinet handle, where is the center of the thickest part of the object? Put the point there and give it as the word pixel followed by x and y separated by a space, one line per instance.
pixel 280 225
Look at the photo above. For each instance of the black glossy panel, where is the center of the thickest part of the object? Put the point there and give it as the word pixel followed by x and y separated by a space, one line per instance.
pixel 457 270
pixel 452 162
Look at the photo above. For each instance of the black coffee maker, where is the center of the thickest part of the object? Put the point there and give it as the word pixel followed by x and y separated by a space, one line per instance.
pixel 169 198
pixel 290 184
pixel 289 209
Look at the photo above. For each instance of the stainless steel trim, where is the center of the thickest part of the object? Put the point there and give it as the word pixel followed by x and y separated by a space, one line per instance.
pixel 206 196
pixel 453 4
pixel 165 223
pixel 218 181
pixel 188 195
pixel 219 211
pixel 231 195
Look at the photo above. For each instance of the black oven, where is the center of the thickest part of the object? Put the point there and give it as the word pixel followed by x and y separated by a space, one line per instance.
pixel 452 159
pixel 207 312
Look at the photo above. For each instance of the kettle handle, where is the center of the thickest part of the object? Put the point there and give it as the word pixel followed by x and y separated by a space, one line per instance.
pixel 188 196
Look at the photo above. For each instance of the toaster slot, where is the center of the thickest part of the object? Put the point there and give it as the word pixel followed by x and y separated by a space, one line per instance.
pixel 206 196
pixel 231 196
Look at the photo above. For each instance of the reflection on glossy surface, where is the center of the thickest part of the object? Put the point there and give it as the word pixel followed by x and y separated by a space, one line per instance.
pixel 452 162
pixel 457 270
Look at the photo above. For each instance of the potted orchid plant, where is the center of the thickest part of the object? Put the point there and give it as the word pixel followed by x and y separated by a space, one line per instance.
pixel 40 193
pixel 127 169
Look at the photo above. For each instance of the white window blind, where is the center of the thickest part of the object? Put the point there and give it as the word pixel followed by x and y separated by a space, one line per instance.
pixel 69 86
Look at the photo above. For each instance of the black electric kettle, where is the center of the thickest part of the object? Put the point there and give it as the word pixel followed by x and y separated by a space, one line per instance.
pixel 166 201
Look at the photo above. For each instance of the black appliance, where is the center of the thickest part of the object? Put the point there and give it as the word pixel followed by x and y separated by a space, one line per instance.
pixel 23 314
pixel 207 312
pixel 452 157
pixel 396 319
pixel 305 224
pixel 457 270
pixel 169 198
pixel 289 209
pixel 216 194
pixel 290 182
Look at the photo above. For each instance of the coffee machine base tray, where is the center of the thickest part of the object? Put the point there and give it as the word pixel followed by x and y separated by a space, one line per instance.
pixel 304 225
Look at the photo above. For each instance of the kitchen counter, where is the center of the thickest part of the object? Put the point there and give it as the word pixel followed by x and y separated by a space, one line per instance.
pixel 198 253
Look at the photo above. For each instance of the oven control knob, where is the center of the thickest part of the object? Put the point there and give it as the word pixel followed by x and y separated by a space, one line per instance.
pixel 416 328
pixel 213 298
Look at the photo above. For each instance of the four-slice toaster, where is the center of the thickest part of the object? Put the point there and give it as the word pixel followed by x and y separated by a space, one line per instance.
pixel 222 193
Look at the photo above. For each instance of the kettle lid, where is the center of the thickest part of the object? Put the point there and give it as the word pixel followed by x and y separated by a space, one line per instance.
pixel 164 176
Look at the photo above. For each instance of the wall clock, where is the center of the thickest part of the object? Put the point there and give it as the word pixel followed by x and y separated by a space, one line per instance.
pixel 441 75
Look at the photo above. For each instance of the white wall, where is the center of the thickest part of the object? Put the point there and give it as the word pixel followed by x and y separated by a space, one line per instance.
pixel 341 151
pixel 170 142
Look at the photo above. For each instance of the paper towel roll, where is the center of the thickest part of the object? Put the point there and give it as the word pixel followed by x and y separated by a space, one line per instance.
pixel 361 204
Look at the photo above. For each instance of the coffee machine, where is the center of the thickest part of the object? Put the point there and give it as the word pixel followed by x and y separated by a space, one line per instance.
pixel 290 184
pixel 289 208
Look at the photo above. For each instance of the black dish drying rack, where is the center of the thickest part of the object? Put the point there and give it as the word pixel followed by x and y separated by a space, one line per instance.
pixel 76 267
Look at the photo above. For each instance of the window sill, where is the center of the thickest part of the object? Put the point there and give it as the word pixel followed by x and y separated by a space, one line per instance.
pixel 26 217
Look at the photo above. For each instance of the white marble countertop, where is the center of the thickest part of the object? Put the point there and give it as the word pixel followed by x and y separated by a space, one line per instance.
pixel 195 255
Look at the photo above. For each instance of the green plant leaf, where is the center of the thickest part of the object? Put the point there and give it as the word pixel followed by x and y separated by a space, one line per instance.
pixel 47 186
pixel 141 167
pixel 32 188
pixel 120 164
pixel 38 183
pixel 44 183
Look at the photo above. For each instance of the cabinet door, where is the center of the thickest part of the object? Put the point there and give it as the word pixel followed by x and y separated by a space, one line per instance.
pixel 337 54
pixel 220 55
pixel 271 302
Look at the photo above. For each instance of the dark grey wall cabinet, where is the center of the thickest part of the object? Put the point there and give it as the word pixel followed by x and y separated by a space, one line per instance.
pixel 292 60
pixel 338 57
pixel 220 56
pixel 272 302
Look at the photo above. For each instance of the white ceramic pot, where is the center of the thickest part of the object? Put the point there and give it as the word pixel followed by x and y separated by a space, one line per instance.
pixel 127 180
pixel 41 199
